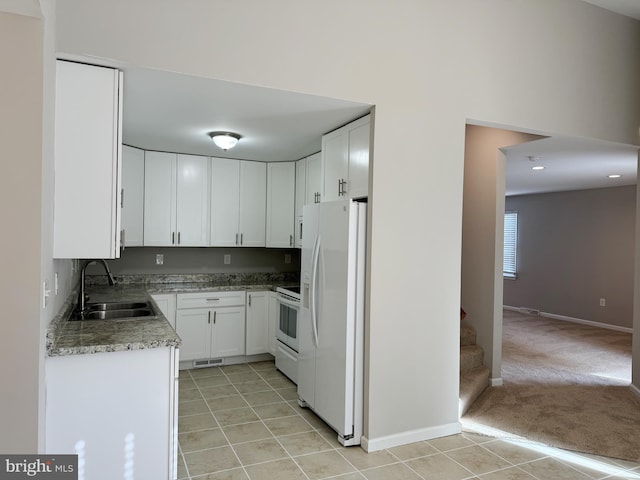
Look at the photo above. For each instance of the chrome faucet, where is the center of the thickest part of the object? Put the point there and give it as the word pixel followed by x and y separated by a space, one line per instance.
pixel 82 297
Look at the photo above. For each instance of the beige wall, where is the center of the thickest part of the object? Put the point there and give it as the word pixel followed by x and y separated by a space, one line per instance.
pixel 428 66
pixel 573 249
pixel 21 55
pixel 482 234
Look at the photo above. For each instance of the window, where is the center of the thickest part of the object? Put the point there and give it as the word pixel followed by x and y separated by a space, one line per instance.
pixel 509 265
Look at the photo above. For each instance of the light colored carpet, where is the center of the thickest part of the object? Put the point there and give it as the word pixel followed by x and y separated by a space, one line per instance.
pixel 565 385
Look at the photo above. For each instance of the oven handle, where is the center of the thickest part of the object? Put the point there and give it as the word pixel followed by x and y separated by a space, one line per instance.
pixel 289 303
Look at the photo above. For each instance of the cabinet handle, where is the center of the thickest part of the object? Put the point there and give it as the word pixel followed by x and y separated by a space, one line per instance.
pixel 122 198
pixel 241 235
pixel 173 238
pixel 339 187
pixel 213 299
pixel 122 239
pixel 209 318
pixel 290 240
pixel 249 299
pixel 178 238
pixel 236 239
pixel 214 317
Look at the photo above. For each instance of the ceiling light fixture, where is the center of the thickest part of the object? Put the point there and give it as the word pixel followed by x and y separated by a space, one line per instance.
pixel 539 167
pixel 615 175
pixel 224 140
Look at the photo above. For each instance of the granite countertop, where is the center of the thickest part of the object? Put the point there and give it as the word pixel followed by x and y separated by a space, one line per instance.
pixel 95 336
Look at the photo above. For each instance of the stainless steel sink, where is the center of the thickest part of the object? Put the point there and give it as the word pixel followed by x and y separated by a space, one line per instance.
pixel 114 314
pixel 91 307
pixel 114 310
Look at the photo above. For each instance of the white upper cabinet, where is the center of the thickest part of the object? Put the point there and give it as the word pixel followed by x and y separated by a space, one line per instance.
pixel 225 206
pixel 308 189
pixel 159 199
pixel 192 203
pixel 88 128
pixel 176 200
pixel 132 196
pixel 314 179
pixel 345 161
pixel 253 193
pixel 281 181
pixel 238 194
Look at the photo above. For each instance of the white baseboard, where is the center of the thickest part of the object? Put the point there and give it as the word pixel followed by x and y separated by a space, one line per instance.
pixel 635 389
pixel 496 382
pixel 404 438
pixel 572 319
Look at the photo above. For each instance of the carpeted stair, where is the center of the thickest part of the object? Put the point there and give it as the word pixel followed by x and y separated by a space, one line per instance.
pixel 474 376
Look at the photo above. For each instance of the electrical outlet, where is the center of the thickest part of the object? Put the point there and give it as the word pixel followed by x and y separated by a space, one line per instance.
pixel 46 292
pixel 287 258
pixel 227 259
pixel 603 302
pixel 159 259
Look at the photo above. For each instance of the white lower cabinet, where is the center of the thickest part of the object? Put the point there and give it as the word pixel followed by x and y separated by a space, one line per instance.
pixel 211 325
pixel 257 323
pixel 116 410
pixel 167 304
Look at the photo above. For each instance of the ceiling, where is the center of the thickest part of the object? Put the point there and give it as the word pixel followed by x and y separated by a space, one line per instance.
pixel 173 112
pixel 570 164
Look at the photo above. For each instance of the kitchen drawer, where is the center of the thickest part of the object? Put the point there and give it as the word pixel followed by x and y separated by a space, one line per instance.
pixel 210 300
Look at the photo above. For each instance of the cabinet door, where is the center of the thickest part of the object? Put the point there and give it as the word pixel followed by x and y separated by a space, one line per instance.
pixel 314 178
pixel 227 338
pixel 273 319
pixel 167 304
pixel 192 196
pixel 257 323
pixel 159 199
pixel 194 328
pixel 358 184
pixel 335 164
pixel 301 186
pixel 88 144
pixel 225 207
pixel 281 177
pixel 253 194
pixel 132 196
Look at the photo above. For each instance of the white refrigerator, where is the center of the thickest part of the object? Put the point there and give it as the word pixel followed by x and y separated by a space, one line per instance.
pixel 331 324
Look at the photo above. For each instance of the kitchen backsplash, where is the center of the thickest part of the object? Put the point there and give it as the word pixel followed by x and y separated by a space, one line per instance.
pixel 209 260
pixel 210 279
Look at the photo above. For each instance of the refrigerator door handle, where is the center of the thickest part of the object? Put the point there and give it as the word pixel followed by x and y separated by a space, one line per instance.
pixel 312 293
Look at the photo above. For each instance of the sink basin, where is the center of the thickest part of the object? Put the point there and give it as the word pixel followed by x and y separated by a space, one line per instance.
pixel 114 314
pixel 91 307
pixel 114 310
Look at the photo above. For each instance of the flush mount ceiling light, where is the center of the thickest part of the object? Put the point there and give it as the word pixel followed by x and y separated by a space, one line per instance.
pixel 615 175
pixel 224 140
pixel 538 167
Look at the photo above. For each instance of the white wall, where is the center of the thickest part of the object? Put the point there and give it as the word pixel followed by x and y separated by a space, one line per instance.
pixel 428 66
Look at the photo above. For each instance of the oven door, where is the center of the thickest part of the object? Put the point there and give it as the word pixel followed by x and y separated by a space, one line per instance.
pixel 287 331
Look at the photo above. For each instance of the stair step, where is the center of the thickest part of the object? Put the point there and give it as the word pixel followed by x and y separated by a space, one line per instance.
pixel 472 384
pixel 467 335
pixel 471 356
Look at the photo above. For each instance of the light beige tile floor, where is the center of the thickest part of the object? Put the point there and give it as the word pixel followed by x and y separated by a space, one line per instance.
pixel 242 422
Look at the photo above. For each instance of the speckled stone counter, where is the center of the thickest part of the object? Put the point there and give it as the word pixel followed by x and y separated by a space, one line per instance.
pixel 94 336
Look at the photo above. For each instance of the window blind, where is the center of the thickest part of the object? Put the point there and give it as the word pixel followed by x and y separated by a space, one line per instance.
pixel 509 265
